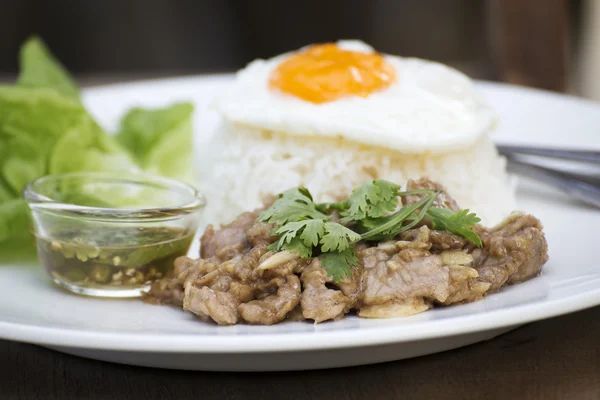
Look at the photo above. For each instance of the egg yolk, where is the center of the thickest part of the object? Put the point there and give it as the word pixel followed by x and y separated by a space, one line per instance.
pixel 325 73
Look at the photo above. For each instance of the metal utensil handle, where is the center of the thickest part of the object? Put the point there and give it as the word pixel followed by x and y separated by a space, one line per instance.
pixel 576 188
pixel 574 155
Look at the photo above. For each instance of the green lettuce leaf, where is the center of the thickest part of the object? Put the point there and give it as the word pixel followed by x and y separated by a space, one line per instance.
pixel 85 147
pixel 160 139
pixel 42 132
pixel 16 240
pixel 32 120
pixel 45 129
pixel 40 69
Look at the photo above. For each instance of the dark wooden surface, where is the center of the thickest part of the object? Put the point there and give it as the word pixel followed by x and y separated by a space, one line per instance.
pixel 553 359
pixel 528 42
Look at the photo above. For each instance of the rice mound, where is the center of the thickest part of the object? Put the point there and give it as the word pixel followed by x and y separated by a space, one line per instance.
pixel 241 166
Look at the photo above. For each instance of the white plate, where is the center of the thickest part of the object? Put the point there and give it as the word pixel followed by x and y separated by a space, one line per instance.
pixel 128 331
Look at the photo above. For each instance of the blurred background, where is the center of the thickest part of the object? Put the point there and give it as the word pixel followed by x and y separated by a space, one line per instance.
pixel 549 44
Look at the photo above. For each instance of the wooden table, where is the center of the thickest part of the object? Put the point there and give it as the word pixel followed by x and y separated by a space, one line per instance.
pixel 553 359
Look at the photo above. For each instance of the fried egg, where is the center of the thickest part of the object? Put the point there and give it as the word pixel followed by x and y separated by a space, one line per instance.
pixel 349 91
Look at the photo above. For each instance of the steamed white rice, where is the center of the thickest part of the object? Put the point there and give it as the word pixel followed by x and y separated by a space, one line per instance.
pixel 241 166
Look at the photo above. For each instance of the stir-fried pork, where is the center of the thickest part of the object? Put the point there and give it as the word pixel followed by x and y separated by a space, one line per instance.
pixel 512 253
pixel 276 305
pixel 443 200
pixel 228 241
pixel 319 302
pixel 238 279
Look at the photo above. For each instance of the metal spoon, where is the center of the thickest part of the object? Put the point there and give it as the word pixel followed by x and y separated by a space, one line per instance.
pixel 592 157
pixel 575 185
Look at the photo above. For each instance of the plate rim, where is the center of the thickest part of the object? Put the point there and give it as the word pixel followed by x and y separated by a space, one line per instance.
pixel 303 341
pixel 292 342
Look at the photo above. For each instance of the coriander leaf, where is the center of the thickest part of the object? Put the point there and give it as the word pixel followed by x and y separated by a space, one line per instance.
pixel 387 192
pixel 373 199
pixel 328 207
pixel 289 231
pixel 338 264
pixel 297 246
pixel 455 222
pixel 309 231
pixel 372 223
pixel 275 246
pixel 313 230
pixel 300 194
pixel 300 236
pixel 416 218
pixel 292 205
pixel 337 237
pixel 391 225
pixel 305 192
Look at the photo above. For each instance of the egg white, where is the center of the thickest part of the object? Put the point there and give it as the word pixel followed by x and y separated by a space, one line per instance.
pixel 430 108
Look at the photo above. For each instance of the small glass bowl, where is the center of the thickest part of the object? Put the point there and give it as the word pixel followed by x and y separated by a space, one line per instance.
pixel 111 235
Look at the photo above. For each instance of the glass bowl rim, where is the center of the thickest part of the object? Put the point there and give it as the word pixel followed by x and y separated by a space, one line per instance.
pixel 40 202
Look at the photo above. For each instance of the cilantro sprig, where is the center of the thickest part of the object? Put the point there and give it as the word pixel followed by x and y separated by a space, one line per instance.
pixel 455 222
pixel 392 225
pixel 291 206
pixel 305 230
pixel 306 235
pixel 371 200
pixel 338 264
pixel 370 213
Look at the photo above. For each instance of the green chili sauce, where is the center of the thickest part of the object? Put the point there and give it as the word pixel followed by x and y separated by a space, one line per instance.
pixel 94 258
